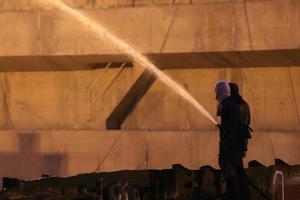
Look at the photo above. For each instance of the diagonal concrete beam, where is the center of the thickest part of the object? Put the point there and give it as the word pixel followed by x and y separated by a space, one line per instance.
pixel 130 100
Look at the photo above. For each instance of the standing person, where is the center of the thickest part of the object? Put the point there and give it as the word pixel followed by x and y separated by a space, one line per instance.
pixel 246 131
pixel 233 144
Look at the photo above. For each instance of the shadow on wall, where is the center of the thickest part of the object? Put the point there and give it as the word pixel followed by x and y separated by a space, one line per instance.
pixel 29 162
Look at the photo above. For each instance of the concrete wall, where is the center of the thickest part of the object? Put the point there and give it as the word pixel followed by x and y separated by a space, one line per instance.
pixel 196 28
pixel 63 101
pixel 28 154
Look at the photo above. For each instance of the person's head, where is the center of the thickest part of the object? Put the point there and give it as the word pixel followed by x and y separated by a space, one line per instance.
pixel 234 88
pixel 222 90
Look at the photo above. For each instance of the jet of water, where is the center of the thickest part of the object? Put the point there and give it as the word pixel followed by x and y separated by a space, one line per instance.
pixel 134 54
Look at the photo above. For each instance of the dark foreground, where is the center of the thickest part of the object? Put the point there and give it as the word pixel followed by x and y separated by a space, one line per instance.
pixel 176 183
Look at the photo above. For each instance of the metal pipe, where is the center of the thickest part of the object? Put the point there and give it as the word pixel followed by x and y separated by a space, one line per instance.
pixel 114 79
pixel 99 77
pixel 279 173
pixel 110 84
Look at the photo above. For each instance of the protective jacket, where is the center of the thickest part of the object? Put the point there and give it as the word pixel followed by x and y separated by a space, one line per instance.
pixel 232 136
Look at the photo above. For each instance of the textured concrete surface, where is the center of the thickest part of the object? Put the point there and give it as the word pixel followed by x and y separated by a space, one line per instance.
pixel 196 28
pixel 64 100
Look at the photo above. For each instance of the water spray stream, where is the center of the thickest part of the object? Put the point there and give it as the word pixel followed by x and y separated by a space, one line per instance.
pixel 134 54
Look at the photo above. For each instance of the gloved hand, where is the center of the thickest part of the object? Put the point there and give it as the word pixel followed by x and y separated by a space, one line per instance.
pixel 244 154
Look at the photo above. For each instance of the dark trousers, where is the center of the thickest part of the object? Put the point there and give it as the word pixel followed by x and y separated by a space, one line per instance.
pixel 237 188
pixel 236 179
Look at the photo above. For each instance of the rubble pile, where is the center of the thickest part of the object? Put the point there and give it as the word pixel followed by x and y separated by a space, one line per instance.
pixel 168 184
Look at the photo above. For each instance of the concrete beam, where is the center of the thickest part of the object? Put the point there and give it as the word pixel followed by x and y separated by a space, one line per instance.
pixel 60 63
pixel 238 59
pixel 259 58
pixel 130 100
